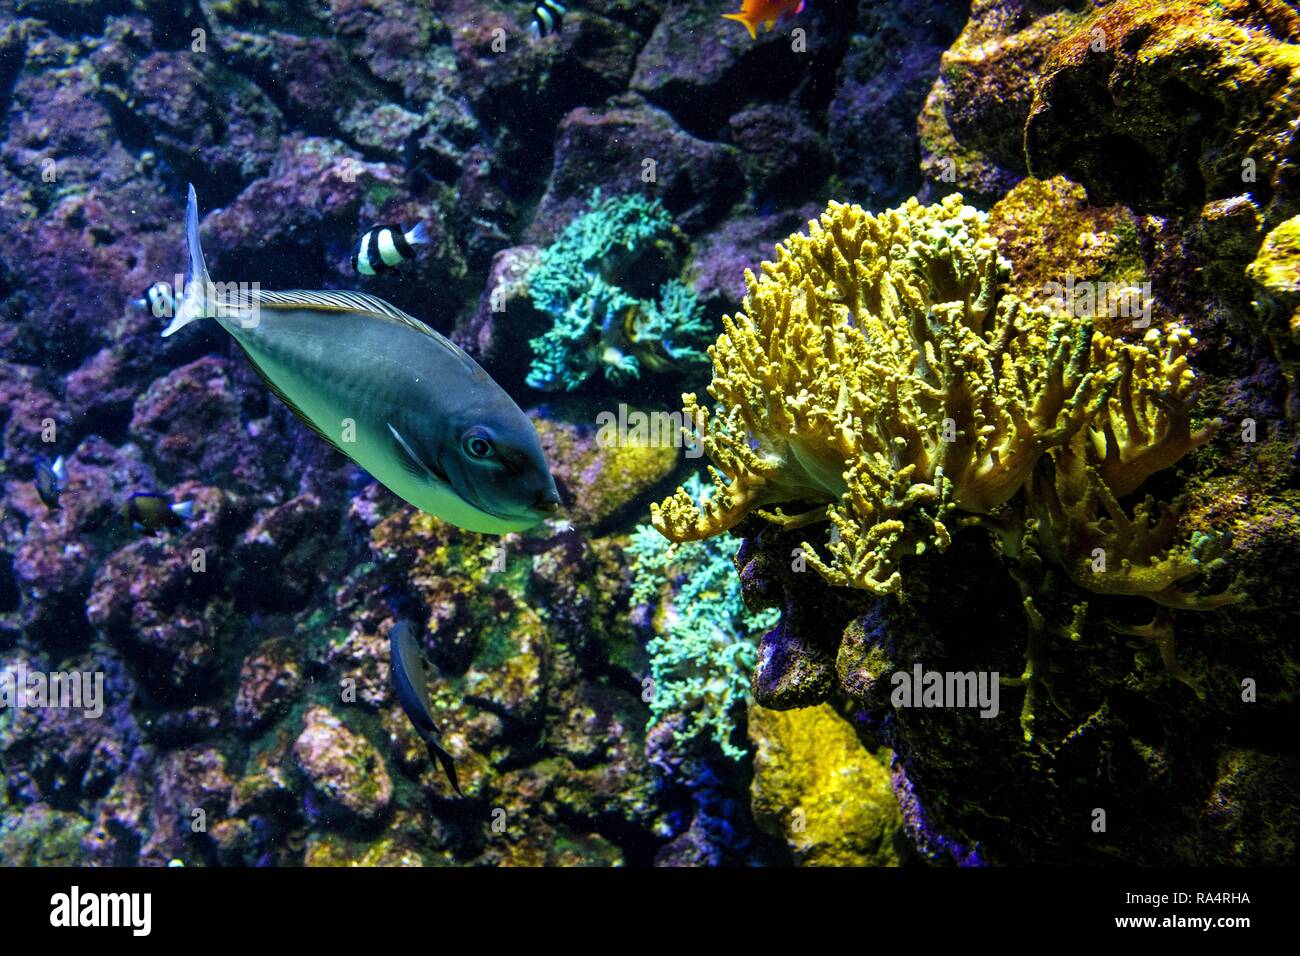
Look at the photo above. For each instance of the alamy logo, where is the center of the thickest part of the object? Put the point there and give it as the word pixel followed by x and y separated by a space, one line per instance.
pixel 650 430
pixel 75 908
pixel 22 689
pixel 922 688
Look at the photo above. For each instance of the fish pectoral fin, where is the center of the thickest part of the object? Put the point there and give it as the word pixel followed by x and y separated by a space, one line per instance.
pixel 410 461
pixel 406 456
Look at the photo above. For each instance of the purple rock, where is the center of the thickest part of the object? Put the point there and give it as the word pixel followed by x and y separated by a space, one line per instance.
pixel 314 190
pixel 505 316
pixel 214 127
pixel 191 797
pixel 931 844
pixel 703 68
pixel 30 415
pixel 190 423
pixel 883 82
pixel 283 558
pixel 67 754
pixel 792 671
pixel 349 778
pixel 781 154
pixel 633 147
pixel 723 255
pixel 269 679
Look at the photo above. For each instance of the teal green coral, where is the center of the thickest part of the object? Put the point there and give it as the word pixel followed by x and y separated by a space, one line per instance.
pixel 676 324
pixel 599 325
pixel 706 640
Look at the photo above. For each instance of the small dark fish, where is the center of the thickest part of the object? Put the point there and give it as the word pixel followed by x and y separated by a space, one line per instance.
pixel 150 513
pixel 384 248
pixel 413 694
pixel 548 18
pixel 158 299
pixel 50 479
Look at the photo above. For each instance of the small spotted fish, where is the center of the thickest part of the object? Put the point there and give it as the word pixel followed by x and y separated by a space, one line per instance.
pixel 150 513
pixel 158 299
pixel 384 248
pixel 50 479
pixel 548 18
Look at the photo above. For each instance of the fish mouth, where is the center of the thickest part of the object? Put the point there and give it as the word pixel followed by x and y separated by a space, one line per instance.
pixel 535 513
pixel 548 503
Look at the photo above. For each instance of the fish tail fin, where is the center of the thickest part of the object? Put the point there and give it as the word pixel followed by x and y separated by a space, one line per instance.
pixel 740 18
pixel 419 236
pixel 59 469
pixel 194 303
pixel 436 753
pixel 184 510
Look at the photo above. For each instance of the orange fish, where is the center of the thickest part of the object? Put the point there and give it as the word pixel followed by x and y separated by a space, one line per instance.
pixel 766 12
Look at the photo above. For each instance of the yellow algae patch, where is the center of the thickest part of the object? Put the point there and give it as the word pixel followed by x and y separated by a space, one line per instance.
pixel 820 790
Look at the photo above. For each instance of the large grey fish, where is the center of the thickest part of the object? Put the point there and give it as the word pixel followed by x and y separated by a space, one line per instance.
pixel 413 694
pixel 389 392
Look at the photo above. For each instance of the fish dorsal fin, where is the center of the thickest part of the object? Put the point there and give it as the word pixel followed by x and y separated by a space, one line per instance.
pixel 328 300
pixel 331 300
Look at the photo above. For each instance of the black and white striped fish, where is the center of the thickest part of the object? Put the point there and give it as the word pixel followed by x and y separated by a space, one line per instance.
pixel 384 248
pixel 158 299
pixel 548 17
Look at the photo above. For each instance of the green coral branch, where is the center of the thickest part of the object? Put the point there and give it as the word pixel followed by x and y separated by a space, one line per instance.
pixel 582 281
pixel 706 640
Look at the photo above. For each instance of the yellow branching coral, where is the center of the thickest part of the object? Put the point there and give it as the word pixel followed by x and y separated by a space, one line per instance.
pixel 1074 497
pixel 1084 528
pixel 879 370
pixel 1146 425
pixel 881 376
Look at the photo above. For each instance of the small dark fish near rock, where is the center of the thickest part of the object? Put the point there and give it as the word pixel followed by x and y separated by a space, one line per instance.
pixel 548 18
pixel 51 477
pixel 413 694
pixel 150 513
pixel 384 248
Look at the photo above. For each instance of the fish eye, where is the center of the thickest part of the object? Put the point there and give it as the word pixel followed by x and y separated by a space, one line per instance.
pixel 477 445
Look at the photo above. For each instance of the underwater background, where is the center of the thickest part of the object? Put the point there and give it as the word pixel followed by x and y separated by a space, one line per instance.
pixel 1027 415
